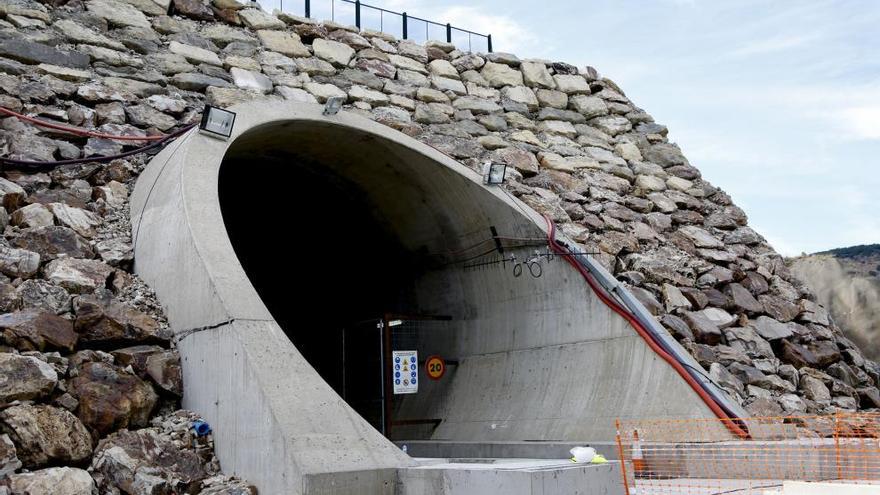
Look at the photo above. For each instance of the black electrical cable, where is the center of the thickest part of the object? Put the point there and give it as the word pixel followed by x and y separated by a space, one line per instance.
pixel 10 163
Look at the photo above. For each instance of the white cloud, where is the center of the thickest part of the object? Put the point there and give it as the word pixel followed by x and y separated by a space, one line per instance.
pixel 773 44
pixel 862 122
pixel 507 34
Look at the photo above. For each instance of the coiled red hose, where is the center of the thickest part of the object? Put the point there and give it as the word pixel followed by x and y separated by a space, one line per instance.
pixel 731 423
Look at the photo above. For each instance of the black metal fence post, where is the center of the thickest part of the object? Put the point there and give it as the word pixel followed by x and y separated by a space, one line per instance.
pixel 404 24
pixel 357 13
pixel 308 8
pixel 489 39
pixel 448 33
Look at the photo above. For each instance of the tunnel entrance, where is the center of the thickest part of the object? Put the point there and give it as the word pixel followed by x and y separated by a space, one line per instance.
pixel 325 263
pixel 336 230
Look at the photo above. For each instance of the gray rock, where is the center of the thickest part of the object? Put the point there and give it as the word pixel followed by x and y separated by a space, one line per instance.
pixel 198 82
pixel 664 154
pixel 747 340
pixel 164 370
pixel 475 105
pixel 54 481
pixel 677 327
pixel 9 462
pixel 742 299
pixel 792 403
pixel 612 125
pixel 110 399
pixel 18 263
pixel 704 329
pixel 724 378
pixel 700 237
pixel 283 42
pixel 35 215
pixel 149 117
pixel 771 329
pixel 101 322
pixel 500 75
pixel 571 84
pixel 535 74
pixel 83 222
pixel 25 378
pixel 44 434
pixel 131 459
pixel 814 389
pixel 80 34
pixel 256 19
pixel 117 13
pixel 115 252
pixel 250 80
pixel 589 106
pixel 195 54
pixel 77 275
pixel 36 53
pixel 41 294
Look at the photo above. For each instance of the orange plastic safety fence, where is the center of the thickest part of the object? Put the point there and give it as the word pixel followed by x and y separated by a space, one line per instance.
pixel 701 457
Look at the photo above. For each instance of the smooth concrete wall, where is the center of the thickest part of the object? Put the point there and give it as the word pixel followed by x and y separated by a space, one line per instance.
pixel 513 479
pixel 541 358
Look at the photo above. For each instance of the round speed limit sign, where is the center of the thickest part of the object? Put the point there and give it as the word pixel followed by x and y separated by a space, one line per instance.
pixel 435 367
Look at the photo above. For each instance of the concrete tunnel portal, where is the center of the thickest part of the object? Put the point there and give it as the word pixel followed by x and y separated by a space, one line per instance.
pixel 362 231
pixel 263 248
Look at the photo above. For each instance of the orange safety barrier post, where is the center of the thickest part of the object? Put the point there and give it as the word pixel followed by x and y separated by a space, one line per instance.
pixel 703 457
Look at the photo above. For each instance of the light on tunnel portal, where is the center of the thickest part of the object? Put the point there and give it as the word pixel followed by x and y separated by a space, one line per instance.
pixel 217 122
pixel 395 323
pixel 334 103
pixel 493 173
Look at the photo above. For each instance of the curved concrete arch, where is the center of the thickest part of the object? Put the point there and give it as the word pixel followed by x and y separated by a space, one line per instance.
pixel 540 359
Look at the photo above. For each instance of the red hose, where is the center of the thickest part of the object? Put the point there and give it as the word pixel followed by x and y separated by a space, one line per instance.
pixel 729 422
pixel 77 130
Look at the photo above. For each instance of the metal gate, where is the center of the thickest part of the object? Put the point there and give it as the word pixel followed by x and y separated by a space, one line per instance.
pixel 370 374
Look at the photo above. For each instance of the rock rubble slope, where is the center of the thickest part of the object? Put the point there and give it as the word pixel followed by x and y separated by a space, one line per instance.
pixel 577 149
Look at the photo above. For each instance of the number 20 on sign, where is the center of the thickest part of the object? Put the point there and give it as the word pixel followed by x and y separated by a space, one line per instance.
pixel 435 367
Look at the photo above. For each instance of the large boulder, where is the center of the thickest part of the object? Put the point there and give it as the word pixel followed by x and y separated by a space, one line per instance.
pixel 78 276
pixel 161 366
pixel 164 370
pixel 25 378
pixel 37 330
pixel 110 399
pixel 102 322
pixel 52 242
pixel 44 434
pixel 144 462
pixel 19 263
pixel 53 481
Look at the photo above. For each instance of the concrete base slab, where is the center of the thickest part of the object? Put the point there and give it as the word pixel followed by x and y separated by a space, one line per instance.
pixel 503 450
pixel 511 477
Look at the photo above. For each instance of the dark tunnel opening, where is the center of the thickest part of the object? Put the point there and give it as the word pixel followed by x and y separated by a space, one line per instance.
pixel 325 264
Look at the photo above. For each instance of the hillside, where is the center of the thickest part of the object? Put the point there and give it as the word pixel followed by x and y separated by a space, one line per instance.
pixel 847 282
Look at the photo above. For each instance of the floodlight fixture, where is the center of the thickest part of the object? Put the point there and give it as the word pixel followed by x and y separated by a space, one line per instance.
pixel 217 122
pixel 333 104
pixel 494 173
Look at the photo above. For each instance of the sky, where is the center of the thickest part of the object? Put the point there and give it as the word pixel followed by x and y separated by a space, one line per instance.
pixel 777 102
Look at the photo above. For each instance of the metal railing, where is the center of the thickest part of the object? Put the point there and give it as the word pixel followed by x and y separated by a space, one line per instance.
pixel 398 24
